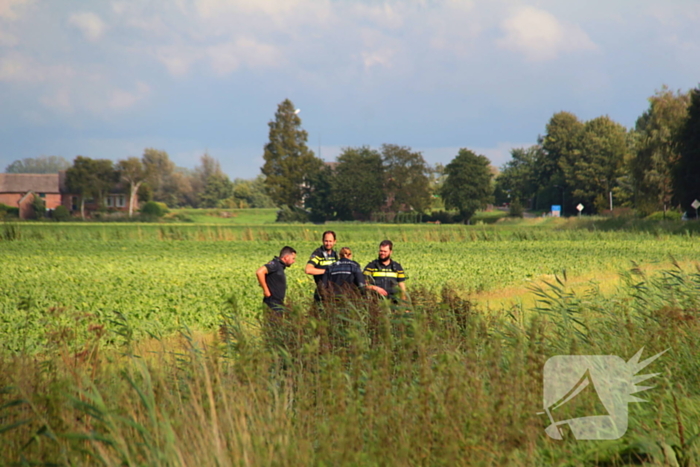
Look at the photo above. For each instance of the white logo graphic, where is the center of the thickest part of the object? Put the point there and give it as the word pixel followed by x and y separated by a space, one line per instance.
pixel 601 383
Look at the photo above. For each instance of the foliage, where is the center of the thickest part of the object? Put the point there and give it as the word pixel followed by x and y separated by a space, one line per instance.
pixel 291 215
pixel 667 215
pixel 592 170
pixel 38 165
pixel 407 181
pixel 217 188
pixel 467 187
pixel 61 213
pixel 154 209
pixel 318 197
pixel 90 178
pixel 288 161
pixel 38 207
pixel 657 149
pixel 686 173
pixel 515 209
pixel 251 193
pixel 358 183
pixel 8 211
pixel 446 384
pixel 133 172
pixel 518 178
pixel 169 184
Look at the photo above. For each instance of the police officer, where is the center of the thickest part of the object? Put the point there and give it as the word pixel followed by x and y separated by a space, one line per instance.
pixel 320 259
pixel 343 276
pixel 384 275
pixel 273 280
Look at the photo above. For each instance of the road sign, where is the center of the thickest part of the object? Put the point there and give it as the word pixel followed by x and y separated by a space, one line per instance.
pixel 696 204
pixel 556 210
pixel 579 207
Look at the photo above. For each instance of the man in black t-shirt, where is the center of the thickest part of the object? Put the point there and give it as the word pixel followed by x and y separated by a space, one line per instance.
pixel 320 259
pixel 273 280
pixel 384 275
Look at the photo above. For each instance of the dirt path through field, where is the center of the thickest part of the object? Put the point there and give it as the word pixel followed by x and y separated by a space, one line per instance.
pixel 606 281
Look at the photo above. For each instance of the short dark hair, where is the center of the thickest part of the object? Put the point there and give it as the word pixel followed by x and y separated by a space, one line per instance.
pixel 287 250
pixel 387 243
pixel 323 237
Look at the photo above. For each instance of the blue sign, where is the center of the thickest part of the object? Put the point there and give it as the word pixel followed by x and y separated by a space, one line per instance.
pixel 556 207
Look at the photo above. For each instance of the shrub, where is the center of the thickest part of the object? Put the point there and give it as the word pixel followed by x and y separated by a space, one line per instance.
pixel 154 209
pixel 670 215
pixel 8 211
pixel 39 207
pixel 61 214
pixel 515 209
pixel 443 217
pixel 287 214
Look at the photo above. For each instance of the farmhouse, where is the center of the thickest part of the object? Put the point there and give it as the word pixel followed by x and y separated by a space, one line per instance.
pixel 19 190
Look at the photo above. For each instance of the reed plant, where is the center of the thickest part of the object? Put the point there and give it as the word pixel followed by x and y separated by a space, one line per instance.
pixel 356 382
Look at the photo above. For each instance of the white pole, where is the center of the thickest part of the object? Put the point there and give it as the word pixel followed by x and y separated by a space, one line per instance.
pixel 611 205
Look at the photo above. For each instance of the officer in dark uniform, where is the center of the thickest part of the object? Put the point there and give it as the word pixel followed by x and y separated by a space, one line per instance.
pixel 273 280
pixel 343 276
pixel 320 259
pixel 384 275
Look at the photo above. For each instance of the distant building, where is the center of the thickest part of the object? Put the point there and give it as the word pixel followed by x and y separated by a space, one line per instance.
pixel 19 190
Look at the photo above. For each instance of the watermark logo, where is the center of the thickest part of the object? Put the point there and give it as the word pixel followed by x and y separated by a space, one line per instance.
pixel 588 394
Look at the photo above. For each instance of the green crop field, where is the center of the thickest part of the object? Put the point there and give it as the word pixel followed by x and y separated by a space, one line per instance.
pixel 119 340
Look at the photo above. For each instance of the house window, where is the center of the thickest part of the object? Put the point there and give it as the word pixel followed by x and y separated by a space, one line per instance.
pixel 42 195
pixel 120 201
pixel 109 202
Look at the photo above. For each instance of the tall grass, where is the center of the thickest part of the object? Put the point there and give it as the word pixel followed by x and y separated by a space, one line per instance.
pixel 357 383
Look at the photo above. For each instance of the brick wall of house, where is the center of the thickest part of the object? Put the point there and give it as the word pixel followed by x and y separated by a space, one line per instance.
pixel 10 199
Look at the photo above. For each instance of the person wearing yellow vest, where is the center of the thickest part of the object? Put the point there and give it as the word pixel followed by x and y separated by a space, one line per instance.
pixel 384 275
pixel 320 259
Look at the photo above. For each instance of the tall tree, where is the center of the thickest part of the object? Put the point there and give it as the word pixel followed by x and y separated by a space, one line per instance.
pixel 467 187
pixel 657 150
pixel 517 179
pixel 318 198
pixel 169 184
pixel 90 178
pixel 560 141
pixel 38 165
pixel 686 173
pixel 288 161
pixel 592 170
pixel 133 172
pixel 407 175
pixel 358 183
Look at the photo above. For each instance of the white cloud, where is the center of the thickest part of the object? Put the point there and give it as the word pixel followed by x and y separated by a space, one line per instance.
pixel 59 100
pixel 18 68
pixel 8 8
pixel 540 36
pixel 227 57
pixel 7 39
pixel 177 60
pixel 121 99
pixel 89 24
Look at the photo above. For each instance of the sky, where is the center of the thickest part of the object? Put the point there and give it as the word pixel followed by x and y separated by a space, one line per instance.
pixel 107 79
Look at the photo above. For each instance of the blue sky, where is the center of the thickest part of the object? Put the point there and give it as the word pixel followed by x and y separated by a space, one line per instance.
pixel 107 79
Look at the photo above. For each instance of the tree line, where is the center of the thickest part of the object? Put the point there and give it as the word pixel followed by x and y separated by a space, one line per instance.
pixel 601 164
pixel 152 177
pixel 365 181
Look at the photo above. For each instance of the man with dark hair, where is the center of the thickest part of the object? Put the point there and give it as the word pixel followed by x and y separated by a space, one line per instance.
pixel 343 276
pixel 320 259
pixel 384 275
pixel 273 280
